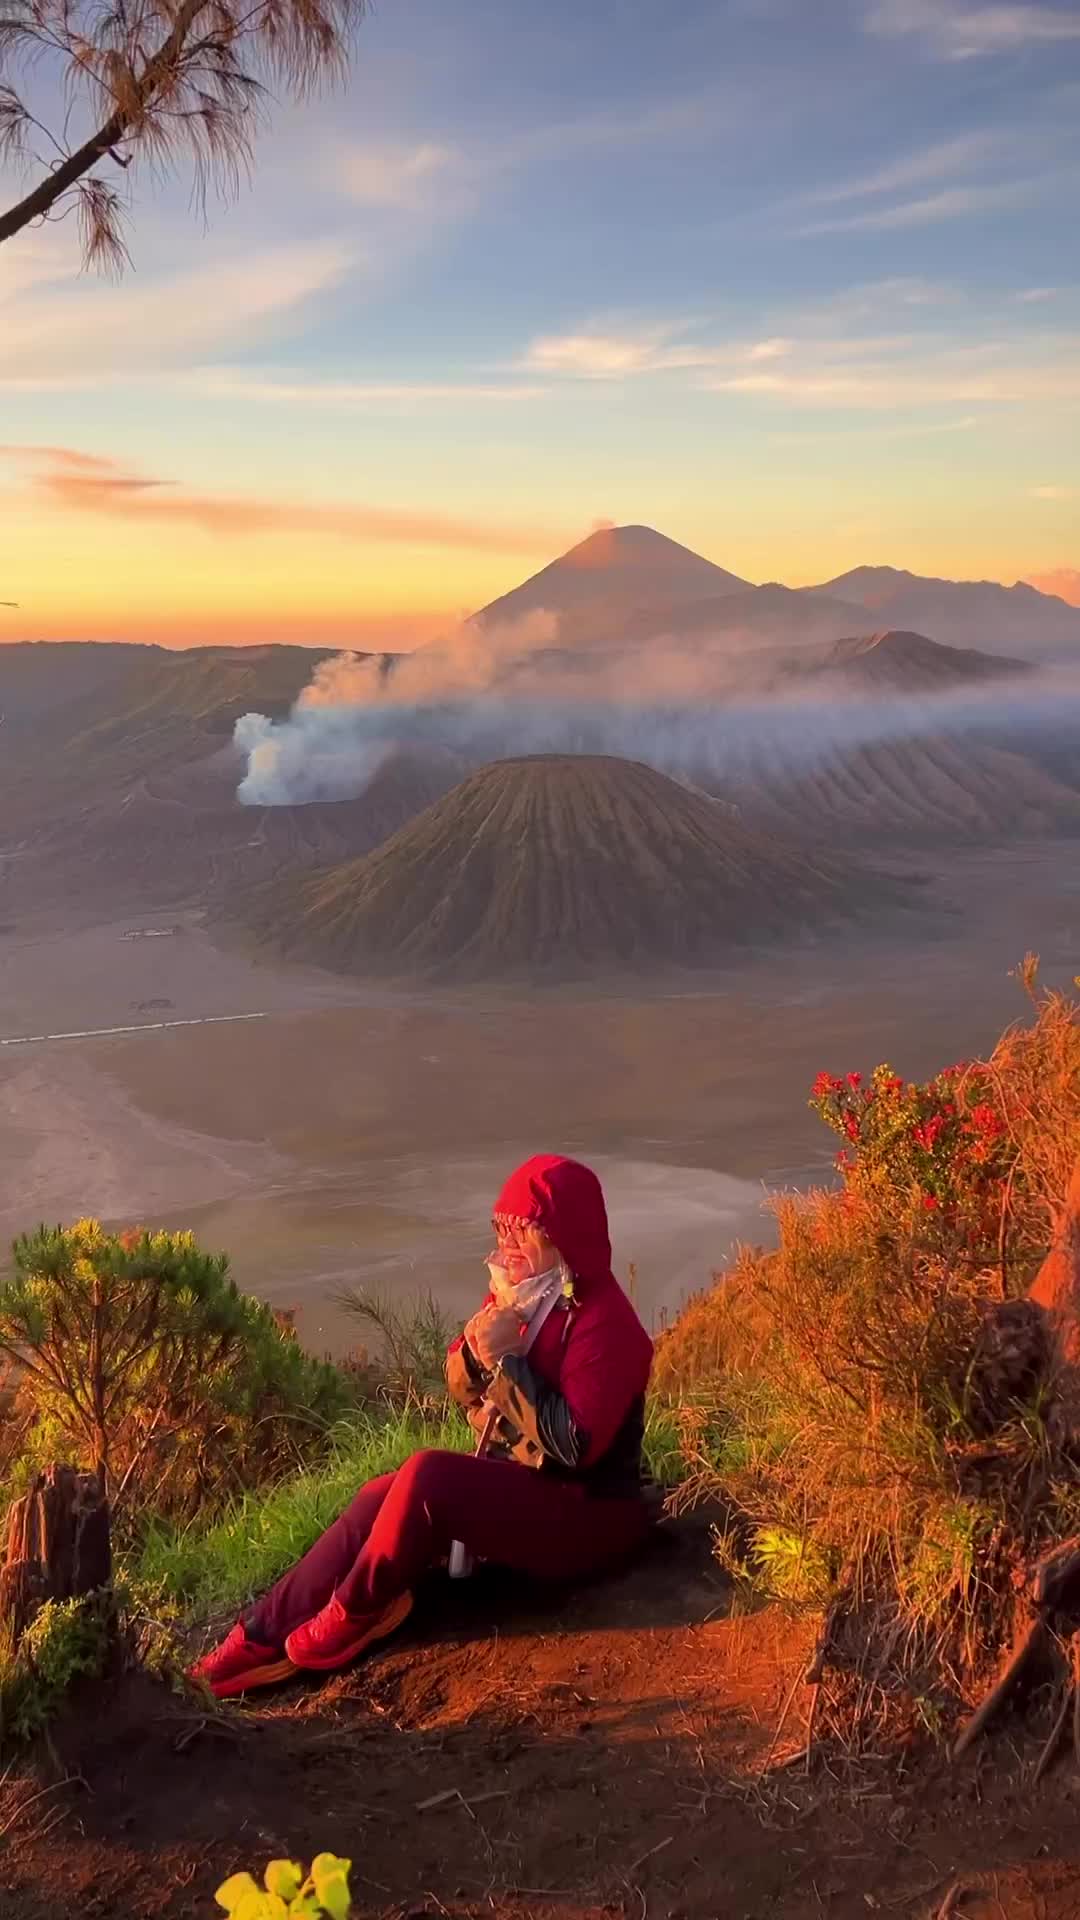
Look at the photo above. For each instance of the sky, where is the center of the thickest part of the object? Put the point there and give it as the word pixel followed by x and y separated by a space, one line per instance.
pixel 795 283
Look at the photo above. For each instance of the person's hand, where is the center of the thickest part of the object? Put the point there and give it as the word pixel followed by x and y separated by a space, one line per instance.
pixel 493 1333
pixel 478 1418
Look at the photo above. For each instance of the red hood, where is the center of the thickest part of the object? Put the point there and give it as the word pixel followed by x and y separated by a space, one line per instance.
pixel 566 1199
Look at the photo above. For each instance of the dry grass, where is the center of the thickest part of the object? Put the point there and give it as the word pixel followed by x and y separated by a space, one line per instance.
pixel 875 1406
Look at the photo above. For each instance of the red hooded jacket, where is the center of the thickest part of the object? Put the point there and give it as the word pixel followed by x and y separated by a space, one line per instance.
pixel 578 1398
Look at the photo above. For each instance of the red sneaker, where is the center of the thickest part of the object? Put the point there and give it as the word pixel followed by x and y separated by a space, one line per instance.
pixel 240 1664
pixel 335 1637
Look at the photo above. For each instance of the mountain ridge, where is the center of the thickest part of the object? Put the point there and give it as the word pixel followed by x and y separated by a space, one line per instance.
pixel 632 583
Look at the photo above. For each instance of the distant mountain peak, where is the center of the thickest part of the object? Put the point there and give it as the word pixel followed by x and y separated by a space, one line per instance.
pixel 904 658
pixel 635 546
pixel 1016 621
pixel 614 572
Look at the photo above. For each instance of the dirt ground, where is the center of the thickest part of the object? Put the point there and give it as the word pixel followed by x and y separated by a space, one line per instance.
pixel 562 1759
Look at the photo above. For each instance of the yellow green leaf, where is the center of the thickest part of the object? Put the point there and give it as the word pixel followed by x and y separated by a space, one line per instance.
pixel 258 1905
pixel 231 1891
pixel 284 1878
pixel 330 1877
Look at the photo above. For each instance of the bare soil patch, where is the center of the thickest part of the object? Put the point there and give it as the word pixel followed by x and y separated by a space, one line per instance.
pixel 554 1757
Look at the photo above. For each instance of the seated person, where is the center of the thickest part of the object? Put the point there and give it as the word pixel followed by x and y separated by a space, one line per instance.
pixel 552 1372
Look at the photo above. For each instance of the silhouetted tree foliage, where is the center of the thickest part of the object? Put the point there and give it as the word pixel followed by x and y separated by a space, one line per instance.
pixel 173 83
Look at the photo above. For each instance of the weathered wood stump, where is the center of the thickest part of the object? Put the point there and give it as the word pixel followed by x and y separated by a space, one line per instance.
pixel 58 1546
pixel 1048 1623
pixel 1057 1291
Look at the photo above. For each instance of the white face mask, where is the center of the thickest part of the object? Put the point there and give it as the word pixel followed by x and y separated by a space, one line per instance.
pixel 525 1296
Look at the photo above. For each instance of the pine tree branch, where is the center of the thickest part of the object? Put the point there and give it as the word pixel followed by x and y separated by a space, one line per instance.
pixel 37 204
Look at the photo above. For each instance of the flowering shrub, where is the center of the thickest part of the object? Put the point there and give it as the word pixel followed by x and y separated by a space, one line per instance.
pixel 881 1429
pixel 944 1148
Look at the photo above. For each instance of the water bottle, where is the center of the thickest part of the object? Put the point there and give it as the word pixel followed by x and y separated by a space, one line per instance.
pixel 461 1561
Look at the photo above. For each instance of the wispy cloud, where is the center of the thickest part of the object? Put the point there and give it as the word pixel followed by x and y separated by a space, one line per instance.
pixel 951 203
pixel 82 331
pixel 925 167
pixel 775 349
pixel 612 350
pixel 402 177
pixel 599 356
pixel 63 459
pixel 961 31
pixel 450 176
pixel 950 352
pixel 276 389
pixel 1054 493
pixel 595 354
pixel 72 480
pixel 875 432
pixel 1036 296
pixel 679 120
pixel 934 375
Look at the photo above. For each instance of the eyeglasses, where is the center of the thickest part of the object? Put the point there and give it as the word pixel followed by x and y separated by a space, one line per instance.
pixel 509 1229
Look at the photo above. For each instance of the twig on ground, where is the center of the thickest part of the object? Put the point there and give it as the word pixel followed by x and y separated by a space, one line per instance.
pixel 47 1825
pixel 14 1819
pixel 642 1857
pixel 1029 1645
pixel 793 1689
pixel 815 1692
pixel 1068 1699
pixel 455 1793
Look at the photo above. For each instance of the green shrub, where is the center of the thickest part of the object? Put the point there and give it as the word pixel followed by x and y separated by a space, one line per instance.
pixel 140 1360
pixel 411 1337
pixel 66 1641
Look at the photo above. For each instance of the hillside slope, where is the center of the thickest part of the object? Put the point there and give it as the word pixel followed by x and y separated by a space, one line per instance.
pixel 180 837
pixel 929 792
pixel 517 1754
pixel 555 867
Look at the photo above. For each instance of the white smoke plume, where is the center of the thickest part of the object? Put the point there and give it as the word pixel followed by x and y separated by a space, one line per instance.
pixel 713 713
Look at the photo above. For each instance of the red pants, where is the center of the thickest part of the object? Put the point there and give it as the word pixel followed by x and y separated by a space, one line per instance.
pixel 404 1522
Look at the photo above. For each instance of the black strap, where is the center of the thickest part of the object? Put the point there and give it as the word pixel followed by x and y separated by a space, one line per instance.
pixel 540 1413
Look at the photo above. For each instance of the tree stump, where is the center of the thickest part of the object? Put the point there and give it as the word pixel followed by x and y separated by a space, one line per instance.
pixel 1050 1619
pixel 1057 1290
pixel 58 1546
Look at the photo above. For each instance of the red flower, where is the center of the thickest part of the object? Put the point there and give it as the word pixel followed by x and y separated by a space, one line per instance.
pixel 851 1126
pixel 987 1121
pixel 826 1084
pixel 929 1203
pixel 854 1080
